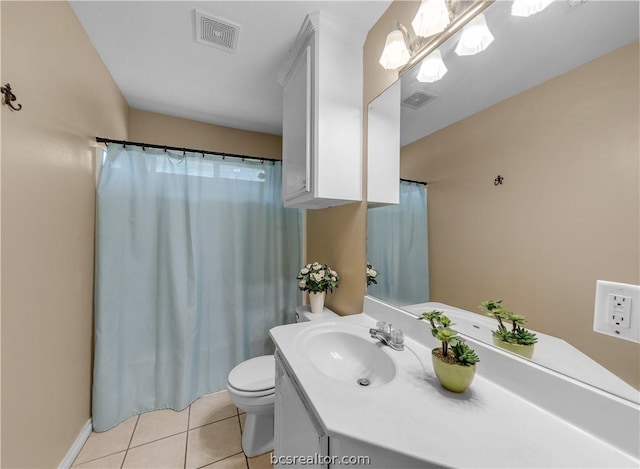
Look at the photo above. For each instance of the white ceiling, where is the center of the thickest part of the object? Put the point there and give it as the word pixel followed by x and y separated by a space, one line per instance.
pixel 525 52
pixel 149 49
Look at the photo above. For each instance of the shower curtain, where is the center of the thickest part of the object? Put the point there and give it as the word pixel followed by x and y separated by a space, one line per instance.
pixel 196 260
pixel 397 246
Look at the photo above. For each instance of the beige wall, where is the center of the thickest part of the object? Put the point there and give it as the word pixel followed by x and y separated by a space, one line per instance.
pixel 48 226
pixel 150 127
pixel 566 215
pixel 337 235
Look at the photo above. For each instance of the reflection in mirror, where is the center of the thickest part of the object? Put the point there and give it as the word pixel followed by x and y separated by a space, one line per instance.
pixel 397 247
pixel 551 106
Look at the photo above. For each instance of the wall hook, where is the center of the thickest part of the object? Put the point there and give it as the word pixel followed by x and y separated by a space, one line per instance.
pixel 9 97
pixel 498 180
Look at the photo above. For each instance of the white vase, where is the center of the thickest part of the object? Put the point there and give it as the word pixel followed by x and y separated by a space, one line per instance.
pixel 317 302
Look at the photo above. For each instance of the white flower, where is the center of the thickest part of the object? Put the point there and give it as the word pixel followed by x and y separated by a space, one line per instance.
pixel 304 271
pixel 334 273
pixel 373 273
pixel 321 274
pixel 316 265
pixel 317 277
pixel 302 283
pixel 333 279
pixel 308 266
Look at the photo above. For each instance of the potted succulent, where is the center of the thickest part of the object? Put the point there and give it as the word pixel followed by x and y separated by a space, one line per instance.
pixel 454 362
pixel 317 279
pixel 516 338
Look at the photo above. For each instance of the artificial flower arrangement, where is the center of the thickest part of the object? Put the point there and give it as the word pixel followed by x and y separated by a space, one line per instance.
pixel 317 278
pixel 371 275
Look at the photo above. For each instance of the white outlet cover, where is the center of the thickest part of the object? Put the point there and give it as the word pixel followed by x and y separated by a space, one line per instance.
pixel 602 316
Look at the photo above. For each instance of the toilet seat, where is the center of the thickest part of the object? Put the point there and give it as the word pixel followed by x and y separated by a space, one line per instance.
pixel 254 377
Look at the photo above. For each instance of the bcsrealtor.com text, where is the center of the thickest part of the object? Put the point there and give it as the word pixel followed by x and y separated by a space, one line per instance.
pixel 320 460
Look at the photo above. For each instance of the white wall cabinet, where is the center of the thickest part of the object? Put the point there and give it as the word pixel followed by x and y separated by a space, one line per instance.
pixel 383 148
pixel 322 116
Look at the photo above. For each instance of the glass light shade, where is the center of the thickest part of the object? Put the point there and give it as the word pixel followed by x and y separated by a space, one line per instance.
pixel 395 53
pixel 432 18
pixel 475 37
pixel 432 68
pixel 528 7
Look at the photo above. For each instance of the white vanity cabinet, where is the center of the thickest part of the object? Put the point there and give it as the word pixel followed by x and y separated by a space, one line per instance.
pixel 297 433
pixel 322 116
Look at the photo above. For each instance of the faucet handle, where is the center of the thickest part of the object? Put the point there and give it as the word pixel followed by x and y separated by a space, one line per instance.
pixel 381 326
pixel 397 337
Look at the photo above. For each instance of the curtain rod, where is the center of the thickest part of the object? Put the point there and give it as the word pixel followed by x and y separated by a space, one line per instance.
pixel 413 182
pixel 184 150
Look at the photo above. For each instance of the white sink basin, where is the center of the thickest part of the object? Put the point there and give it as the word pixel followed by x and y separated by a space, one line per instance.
pixel 347 354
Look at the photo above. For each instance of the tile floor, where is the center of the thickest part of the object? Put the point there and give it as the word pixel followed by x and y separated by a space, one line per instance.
pixel 206 434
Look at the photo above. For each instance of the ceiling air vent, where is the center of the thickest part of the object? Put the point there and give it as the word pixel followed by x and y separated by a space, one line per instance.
pixel 216 32
pixel 417 100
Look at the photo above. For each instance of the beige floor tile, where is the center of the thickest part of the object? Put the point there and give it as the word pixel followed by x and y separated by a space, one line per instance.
pixel 109 442
pixel 211 408
pixel 239 461
pixel 108 462
pixel 165 453
pixel 243 417
pixel 159 424
pixel 213 442
pixel 261 462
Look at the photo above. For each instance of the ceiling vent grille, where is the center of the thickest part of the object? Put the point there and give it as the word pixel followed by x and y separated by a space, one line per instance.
pixel 417 100
pixel 216 32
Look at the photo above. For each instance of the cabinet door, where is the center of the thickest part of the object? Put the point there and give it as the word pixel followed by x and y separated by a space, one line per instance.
pixel 296 433
pixel 383 148
pixel 296 128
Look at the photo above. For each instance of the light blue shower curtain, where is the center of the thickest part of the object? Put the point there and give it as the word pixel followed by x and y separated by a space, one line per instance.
pixel 397 246
pixel 196 260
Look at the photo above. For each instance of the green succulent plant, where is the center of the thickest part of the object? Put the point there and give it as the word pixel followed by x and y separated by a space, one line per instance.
pixel 464 354
pixel 442 331
pixel 517 334
pixel 525 337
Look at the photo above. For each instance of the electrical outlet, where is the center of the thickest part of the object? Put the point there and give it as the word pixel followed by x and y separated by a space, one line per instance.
pixel 617 310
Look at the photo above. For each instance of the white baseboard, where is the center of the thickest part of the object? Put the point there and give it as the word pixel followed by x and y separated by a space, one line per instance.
pixel 77 445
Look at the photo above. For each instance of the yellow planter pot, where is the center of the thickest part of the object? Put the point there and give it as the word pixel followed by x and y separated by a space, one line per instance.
pixel 455 378
pixel 522 350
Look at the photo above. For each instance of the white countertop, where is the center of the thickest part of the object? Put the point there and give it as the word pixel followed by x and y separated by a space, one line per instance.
pixel 486 426
pixel 574 363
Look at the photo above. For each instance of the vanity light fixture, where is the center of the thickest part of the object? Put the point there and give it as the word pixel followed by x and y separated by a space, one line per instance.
pixel 395 53
pixel 432 18
pixel 435 22
pixel 475 37
pixel 432 68
pixel 526 8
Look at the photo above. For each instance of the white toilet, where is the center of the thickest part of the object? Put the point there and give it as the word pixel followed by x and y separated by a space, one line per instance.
pixel 251 386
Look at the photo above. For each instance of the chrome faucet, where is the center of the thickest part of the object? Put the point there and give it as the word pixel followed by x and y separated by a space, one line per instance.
pixel 383 332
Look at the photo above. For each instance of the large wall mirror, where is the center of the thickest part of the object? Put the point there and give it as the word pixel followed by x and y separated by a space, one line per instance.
pixel 529 152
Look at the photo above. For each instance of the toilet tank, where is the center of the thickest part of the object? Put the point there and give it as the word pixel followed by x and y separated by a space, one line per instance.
pixel 304 314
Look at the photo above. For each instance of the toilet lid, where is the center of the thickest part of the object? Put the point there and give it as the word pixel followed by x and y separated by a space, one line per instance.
pixel 255 374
